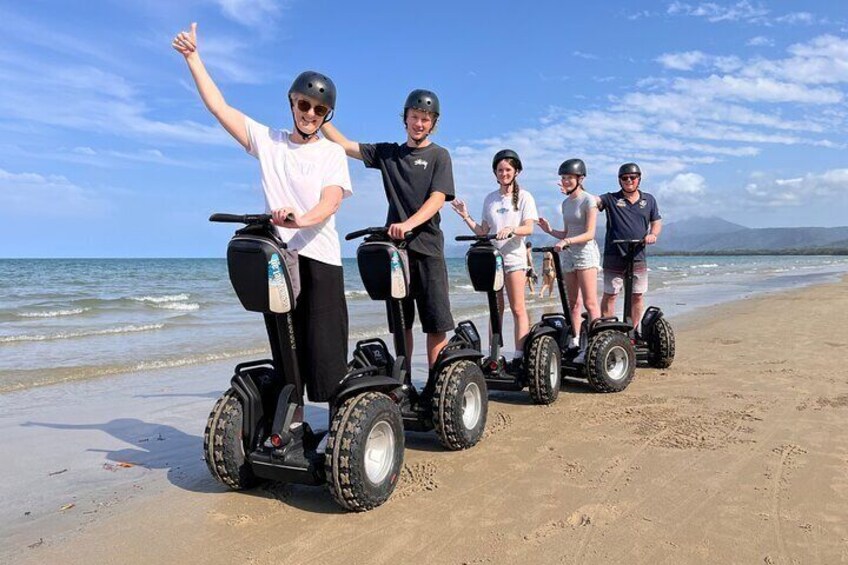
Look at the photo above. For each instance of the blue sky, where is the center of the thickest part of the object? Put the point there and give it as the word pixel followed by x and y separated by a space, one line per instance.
pixel 736 109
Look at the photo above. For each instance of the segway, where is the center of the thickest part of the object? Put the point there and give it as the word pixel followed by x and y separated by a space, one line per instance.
pixel 248 438
pixel 454 401
pixel 540 361
pixel 655 343
pixel 609 362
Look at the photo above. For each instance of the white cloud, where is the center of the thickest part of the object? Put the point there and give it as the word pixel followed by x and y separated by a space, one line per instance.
pixel 583 55
pixel 45 196
pixel 251 12
pixel 685 61
pixel 712 12
pixel 763 190
pixel 84 97
pixel 684 190
pixel 760 41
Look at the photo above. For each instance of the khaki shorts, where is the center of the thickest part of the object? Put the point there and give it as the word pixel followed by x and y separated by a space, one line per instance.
pixel 614 280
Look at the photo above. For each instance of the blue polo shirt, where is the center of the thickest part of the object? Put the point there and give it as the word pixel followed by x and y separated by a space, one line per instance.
pixel 626 221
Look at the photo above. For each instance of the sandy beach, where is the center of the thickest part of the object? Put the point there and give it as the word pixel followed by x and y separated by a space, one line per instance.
pixel 736 454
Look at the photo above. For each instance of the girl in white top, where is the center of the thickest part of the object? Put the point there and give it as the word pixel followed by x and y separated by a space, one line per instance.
pixel 582 258
pixel 509 212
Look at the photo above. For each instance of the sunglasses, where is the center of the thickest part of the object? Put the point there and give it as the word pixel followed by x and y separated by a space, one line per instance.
pixel 625 177
pixel 305 105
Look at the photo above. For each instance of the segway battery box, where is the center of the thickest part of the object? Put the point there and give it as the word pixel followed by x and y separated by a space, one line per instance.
pixel 485 268
pixel 263 273
pixel 384 270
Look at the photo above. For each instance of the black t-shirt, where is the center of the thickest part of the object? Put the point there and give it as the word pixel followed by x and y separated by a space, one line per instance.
pixel 626 221
pixel 410 175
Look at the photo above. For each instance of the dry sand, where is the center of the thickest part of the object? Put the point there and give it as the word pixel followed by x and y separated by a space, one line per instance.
pixel 736 454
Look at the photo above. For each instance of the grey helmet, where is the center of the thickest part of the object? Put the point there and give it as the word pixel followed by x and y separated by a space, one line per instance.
pixel 316 86
pixel 422 99
pixel 506 154
pixel 629 169
pixel 573 167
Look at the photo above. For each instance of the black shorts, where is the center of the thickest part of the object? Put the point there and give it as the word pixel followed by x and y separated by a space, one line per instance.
pixel 321 328
pixel 429 290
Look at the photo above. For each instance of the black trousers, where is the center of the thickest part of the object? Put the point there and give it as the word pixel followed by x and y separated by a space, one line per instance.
pixel 321 328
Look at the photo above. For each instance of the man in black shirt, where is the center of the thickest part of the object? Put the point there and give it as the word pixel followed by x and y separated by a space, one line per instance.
pixel 418 180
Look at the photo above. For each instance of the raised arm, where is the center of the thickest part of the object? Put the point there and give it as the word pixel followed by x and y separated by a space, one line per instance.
pixel 460 208
pixel 231 119
pixel 548 229
pixel 333 134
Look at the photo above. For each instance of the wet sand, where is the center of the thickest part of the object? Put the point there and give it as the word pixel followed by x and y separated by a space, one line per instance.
pixel 735 454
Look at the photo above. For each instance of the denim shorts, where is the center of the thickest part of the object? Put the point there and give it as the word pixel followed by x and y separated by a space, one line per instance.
pixel 581 257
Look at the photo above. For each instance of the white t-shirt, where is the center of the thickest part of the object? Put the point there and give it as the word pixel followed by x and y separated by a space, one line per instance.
pixel 499 213
pixel 293 175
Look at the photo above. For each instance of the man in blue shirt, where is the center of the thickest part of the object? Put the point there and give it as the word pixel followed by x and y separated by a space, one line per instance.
pixel 631 214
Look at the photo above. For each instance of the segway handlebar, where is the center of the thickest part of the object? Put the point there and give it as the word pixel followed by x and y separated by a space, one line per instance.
pixel 544 249
pixel 245 218
pixel 377 230
pixel 634 241
pixel 487 237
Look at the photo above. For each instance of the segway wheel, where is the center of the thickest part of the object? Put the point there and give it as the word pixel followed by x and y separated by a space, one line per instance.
pixel 661 345
pixel 460 405
pixel 543 370
pixel 610 362
pixel 364 454
pixel 223 448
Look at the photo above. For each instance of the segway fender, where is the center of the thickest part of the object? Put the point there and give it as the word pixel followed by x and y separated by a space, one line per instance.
pixel 453 355
pixel 650 318
pixel 380 383
pixel 609 324
pixel 537 331
pixel 249 386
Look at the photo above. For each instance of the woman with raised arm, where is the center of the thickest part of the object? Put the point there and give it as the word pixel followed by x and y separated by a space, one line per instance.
pixel 510 213
pixel 304 178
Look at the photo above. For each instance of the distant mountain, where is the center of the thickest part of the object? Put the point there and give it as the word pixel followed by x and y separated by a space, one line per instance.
pixel 712 234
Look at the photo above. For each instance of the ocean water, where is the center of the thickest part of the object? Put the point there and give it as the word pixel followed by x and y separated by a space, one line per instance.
pixel 69 319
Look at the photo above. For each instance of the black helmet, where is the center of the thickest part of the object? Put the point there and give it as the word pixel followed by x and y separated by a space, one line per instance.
pixel 506 154
pixel 421 99
pixel 629 169
pixel 573 167
pixel 316 86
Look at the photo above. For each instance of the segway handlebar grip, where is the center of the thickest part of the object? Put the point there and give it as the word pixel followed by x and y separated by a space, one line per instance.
pixel 487 237
pixel 377 230
pixel 544 249
pixel 244 218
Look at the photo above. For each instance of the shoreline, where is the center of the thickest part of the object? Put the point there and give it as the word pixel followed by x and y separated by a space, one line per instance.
pixel 72 440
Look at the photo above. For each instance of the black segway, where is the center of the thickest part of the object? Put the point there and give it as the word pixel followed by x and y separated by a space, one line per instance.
pixel 655 343
pixel 248 437
pixel 454 402
pixel 609 363
pixel 540 362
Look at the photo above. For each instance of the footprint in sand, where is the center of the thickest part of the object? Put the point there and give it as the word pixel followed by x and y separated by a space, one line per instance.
pixel 721 341
pixel 416 478
pixel 497 422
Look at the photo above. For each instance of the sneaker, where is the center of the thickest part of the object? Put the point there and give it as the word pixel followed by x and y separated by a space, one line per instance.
pixel 581 357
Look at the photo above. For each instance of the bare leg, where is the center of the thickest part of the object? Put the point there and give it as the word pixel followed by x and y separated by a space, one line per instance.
pixel 608 305
pixel 572 290
pixel 435 343
pixel 636 309
pixel 515 292
pixel 588 280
